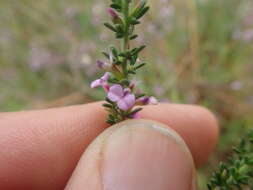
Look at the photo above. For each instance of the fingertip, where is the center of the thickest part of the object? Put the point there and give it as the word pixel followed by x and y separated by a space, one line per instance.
pixel 195 124
pixel 207 132
pixel 135 154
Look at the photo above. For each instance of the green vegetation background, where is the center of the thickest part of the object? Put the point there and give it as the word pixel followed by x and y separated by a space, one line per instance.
pixel 199 51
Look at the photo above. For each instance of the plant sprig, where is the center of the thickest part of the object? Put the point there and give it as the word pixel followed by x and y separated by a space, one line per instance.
pixel 237 173
pixel 124 62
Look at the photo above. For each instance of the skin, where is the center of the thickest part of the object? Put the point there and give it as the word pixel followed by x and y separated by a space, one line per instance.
pixel 41 149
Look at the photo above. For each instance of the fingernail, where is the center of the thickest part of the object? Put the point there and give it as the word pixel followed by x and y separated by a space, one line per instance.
pixel 146 155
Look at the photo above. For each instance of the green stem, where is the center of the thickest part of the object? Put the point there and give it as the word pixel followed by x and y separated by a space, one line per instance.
pixel 126 37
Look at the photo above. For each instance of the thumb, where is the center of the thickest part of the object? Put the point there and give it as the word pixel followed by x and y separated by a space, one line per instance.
pixel 135 155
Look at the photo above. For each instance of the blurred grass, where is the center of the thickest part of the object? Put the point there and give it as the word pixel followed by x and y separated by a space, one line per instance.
pixel 199 51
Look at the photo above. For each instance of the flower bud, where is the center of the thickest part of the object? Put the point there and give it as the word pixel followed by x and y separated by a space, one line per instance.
pixel 115 17
pixel 135 116
pixel 112 12
pixel 104 65
pixel 147 100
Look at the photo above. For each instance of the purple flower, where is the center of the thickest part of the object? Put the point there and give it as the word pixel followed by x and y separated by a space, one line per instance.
pixel 100 64
pixel 101 82
pixel 125 100
pixel 103 65
pixel 148 100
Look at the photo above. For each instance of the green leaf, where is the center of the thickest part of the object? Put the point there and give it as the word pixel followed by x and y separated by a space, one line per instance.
pixel 114 51
pixel 119 28
pixel 140 95
pixel 111 122
pixel 133 59
pixel 136 51
pixel 106 55
pixel 131 72
pixel 111 117
pixel 134 21
pixel 122 54
pixel 116 2
pixel 138 8
pixel 108 105
pixel 140 66
pixel 133 37
pixel 142 13
pixel 117 62
pixel 119 35
pixel 116 6
pixel 113 80
pixel 134 111
pixel 125 82
pixel 110 26
pixel 109 101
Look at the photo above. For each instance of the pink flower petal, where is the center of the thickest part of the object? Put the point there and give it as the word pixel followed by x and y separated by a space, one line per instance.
pixel 96 83
pixel 127 91
pixel 112 13
pixel 113 97
pixel 130 99
pixel 127 102
pixel 153 100
pixel 106 87
pixel 122 105
pixel 106 77
pixel 115 93
pixel 100 82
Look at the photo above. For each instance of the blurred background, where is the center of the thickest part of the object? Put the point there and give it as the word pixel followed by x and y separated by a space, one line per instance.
pixel 199 52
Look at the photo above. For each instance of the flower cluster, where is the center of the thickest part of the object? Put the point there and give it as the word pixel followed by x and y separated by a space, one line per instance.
pixel 123 94
pixel 120 100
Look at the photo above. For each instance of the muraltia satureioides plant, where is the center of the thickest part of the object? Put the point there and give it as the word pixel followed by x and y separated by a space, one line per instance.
pixel 123 63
